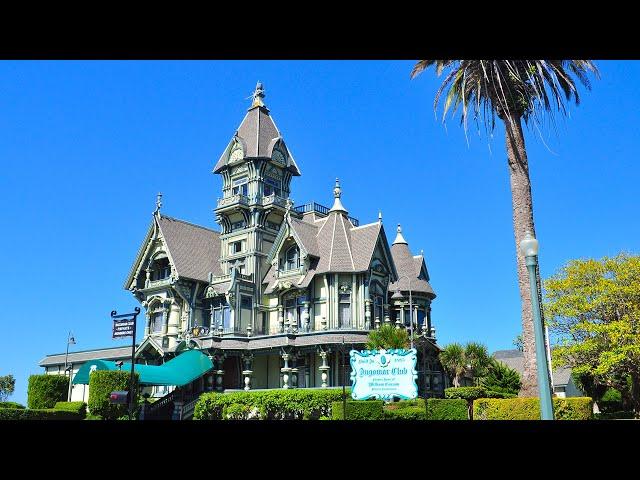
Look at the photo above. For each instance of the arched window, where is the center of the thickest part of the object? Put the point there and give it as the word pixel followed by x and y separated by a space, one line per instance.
pixel 160 268
pixel 292 258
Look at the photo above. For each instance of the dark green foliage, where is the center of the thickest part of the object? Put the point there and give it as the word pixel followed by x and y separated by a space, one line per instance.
pixel 611 401
pixel 7 386
pixel 575 408
pixel 387 337
pixel 447 409
pixel 408 413
pixel 621 415
pixel 295 404
pixel 359 410
pixel 467 393
pixel 10 405
pixel 45 390
pixel 101 384
pixel 79 407
pixel 37 414
pixel 501 378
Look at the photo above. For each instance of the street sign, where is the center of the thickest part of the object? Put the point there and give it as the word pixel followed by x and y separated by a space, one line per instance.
pixel 123 328
pixel 384 374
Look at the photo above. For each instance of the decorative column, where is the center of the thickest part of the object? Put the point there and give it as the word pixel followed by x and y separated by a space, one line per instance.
pixel 148 278
pixel 294 371
pixel 166 312
pixel 414 319
pixel 324 368
pixel 387 320
pixel 305 315
pixel 285 371
pixel 281 317
pixel 147 326
pixel 367 313
pixel 219 372
pixel 247 372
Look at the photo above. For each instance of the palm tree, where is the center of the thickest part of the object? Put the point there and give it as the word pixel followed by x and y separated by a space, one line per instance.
pixel 387 337
pixel 477 360
pixel 453 360
pixel 512 90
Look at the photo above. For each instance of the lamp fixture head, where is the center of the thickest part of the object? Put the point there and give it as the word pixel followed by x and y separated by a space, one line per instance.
pixel 529 245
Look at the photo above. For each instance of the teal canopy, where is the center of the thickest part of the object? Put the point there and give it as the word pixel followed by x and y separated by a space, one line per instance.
pixel 183 369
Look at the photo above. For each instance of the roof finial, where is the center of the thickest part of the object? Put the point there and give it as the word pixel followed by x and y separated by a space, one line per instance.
pixel 379 216
pixel 258 95
pixel 337 204
pixel 158 204
pixel 421 252
pixel 399 237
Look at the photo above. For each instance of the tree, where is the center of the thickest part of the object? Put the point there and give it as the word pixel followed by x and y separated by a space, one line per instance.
pixel 594 308
pixel 7 386
pixel 477 360
pixel 501 378
pixel 387 337
pixel 517 342
pixel 453 361
pixel 512 90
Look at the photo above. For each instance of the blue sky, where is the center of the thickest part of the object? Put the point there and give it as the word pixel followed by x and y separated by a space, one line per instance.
pixel 85 147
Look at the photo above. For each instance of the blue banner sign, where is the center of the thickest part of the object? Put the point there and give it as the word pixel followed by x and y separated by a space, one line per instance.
pixel 383 374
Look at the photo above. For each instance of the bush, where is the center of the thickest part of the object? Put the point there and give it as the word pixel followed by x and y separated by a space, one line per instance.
pixel 403 404
pixel 10 405
pixel 359 410
pixel 406 413
pixel 474 393
pixel 621 415
pixel 37 414
pixel 78 407
pixel 295 404
pixel 101 384
pixel 578 408
pixel 611 401
pixel 501 378
pixel 45 390
pixel 447 409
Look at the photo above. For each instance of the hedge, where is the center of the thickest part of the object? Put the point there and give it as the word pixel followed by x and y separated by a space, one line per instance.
pixel 359 410
pixel 37 414
pixel 45 390
pixel 101 384
pixel 575 408
pixel 406 413
pixel 474 393
pixel 447 409
pixel 10 405
pixel 78 407
pixel 294 404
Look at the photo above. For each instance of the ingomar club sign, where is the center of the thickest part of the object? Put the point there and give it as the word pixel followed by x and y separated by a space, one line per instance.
pixel 383 374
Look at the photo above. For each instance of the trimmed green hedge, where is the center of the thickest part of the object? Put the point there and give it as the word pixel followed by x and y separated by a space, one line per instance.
pixel 45 390
pixel 78 407
pixel 406 413
pixel 101 384
pixel 448 409
pixel 37 414
pixel 578 408
pixel 294 404
pixel 10 405
pixel 474 393
pixel 360 410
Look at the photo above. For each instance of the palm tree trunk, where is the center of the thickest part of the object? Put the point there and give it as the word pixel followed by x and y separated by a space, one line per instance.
pixel 522 221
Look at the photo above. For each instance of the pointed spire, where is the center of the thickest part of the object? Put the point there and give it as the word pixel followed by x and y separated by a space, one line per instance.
pixel 399 237
pixel 379 216
pixel 257 96
pixel 158 204
pixel 337 204
pixel 421 252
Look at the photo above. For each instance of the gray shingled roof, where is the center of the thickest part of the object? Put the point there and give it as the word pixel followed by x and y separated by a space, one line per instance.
pixel 195 250
pixel 515 359
pixel 307 233
pixel 408 266
pixel 258 135
pixel 86 355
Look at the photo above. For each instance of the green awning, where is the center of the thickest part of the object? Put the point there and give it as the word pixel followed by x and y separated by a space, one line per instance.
pixel 178 371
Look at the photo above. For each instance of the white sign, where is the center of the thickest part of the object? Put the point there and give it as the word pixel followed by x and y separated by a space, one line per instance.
pixel 383 374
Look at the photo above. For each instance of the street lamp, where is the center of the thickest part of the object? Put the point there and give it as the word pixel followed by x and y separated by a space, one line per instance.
pixel 529 248
pixel 70 341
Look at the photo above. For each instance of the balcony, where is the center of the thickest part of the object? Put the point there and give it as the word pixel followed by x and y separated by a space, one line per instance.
pixel 320 210
pixel 237 199
pixel 273 199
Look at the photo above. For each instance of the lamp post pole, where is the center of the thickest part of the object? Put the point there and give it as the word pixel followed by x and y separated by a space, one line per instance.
pixel 529 248
pixel 70 341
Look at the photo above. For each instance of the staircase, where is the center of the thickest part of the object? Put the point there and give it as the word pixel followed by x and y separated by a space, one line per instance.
pixel 189 407
pixel 161 409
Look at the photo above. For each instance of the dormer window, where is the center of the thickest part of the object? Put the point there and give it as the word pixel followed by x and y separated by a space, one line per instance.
pixel 160 269
pixel 271 187
pixel 291 259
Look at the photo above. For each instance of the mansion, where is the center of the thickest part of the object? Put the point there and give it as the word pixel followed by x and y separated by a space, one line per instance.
pixel 279 295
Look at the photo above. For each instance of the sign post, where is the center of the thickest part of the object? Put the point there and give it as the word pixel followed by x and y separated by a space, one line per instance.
pixel 124 325
pixel 384 374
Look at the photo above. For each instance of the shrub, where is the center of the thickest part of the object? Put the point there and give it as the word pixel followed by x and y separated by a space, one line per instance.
pixel 578 408
pixel 403 404
pixel 45 390
pixel 407 413
pixel 295 404
pixel 359 410
pixel 10 405
pixel 501 378
pixel 621 415
pixel 447 409
pixel 470 394
pixel 37 414
pixel 101 384
pixel 78 407
pixel 611 401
